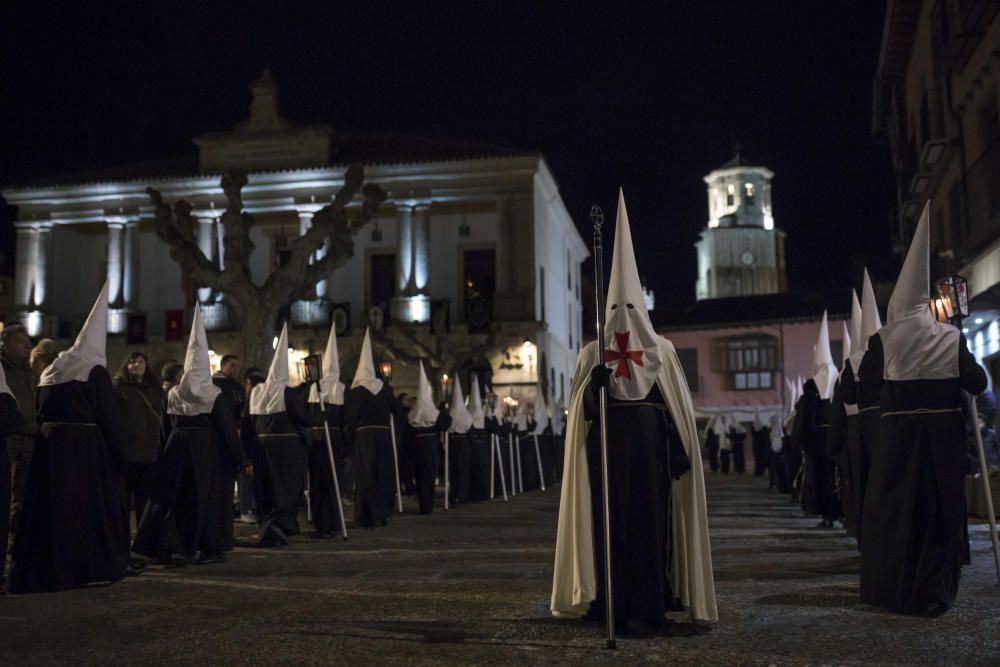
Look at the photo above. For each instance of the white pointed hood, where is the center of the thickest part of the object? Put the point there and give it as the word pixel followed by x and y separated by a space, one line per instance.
pixel 423 414
pixel 847 342
pixel 196 393
pixel 521 418
pixel 365 375
pixel 541 413
pixel 268 398
pixel 824 370
pixel 461 418
pixel 870 320
pixel 630 342
pixel 915 345
pixel 557 418
pixel 89 350
pixel 857 335
pixel 476 404
pixel 329 388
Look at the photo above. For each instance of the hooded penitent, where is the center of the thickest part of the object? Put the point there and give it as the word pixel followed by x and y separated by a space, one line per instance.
pixel 916 346
pixel 88 351
pixel 557 418
pixel 365 375
pixel 268 398
pixel 541 414
pixel 629 338
pixel 824 370
pixel 857 346
pixel 461 418
pixel 846 344
pixel 638 358
pixel 196 393
pixel 870 320
pixel 476 404
pixel 329 389
pixel 423 414
pixel 521 418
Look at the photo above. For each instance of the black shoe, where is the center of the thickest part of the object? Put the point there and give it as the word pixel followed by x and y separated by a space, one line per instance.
pixel 208 559
pixel 135 568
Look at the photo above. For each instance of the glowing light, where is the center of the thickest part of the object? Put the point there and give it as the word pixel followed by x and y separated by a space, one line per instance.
pixel 979 320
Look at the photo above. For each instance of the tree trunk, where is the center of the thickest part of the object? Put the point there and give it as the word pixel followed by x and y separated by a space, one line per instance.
pixel 259 329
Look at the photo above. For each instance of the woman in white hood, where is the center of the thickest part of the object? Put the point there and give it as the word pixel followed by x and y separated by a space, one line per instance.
pixel 73 527
pixel 190 511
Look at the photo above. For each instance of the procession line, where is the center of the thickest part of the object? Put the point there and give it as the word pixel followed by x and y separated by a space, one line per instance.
pixel 397 550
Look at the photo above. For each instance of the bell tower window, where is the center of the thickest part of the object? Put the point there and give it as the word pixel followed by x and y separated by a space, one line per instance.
pixel 749 193
pixel 730 195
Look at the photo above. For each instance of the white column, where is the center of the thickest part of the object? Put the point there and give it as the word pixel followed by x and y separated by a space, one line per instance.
pixel 421 248
pixel 404 250
pixel 130 293
pixel 24 273
pixel 206 243
pixel 115 262
pixel 321 285
pixel 43 251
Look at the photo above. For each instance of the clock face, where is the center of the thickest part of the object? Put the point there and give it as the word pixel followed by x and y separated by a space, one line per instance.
pixel 747 257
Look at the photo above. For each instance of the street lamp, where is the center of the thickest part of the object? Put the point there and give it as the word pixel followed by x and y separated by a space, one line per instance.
pixel 952 302
pixel 386 368
pixel 446 386
pixel 311 368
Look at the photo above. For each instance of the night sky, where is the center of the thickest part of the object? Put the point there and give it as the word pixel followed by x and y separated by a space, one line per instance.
pixel 646 96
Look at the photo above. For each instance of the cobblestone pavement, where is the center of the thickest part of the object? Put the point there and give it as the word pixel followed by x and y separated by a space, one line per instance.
pixel 471 586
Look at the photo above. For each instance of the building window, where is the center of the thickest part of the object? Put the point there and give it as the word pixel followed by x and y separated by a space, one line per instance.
pixel 749 193
pixel 569 324
pixel 382 278
pixel 480 274
pixel 748 361
pixel 730 195
pixel 688 356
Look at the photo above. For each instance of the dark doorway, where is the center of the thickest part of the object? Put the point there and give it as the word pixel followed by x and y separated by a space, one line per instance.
pixel 382 274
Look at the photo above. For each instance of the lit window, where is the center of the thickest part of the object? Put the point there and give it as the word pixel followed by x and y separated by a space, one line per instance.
pixel 749 361
pixel 749 193
pixel 730 195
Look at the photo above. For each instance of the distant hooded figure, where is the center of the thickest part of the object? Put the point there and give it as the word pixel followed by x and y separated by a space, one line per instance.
pixel 865 397
pixel 914 521
pixel 479 444
pixel 279 453
pixel 712 443
pixel 844 419
pixel 368 407
pixel 543 438
pixel 812 419
pixel 190 511
pixel 525 441
pixel 659 525
pixel 460 447
pixel 426 423
pixel 761 439
pixel 73 529
pixel 326 403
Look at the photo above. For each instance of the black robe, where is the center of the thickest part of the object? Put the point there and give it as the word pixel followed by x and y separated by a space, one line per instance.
pixel 322 491
pixel 425 445
pixel 499 430
pixel 280 456
pixel 481 452
pixel 761 439
pixel 861 450
pixel 547 449
pixel 712 445
pixel 738 441
pixel 529 457
pixel 842 440
pixel 645 453
pixel 73 528
pixel 190 509
pixel 11 422
pixel 460 464
pixel 818 493
pixel 914 525
pixel 367 435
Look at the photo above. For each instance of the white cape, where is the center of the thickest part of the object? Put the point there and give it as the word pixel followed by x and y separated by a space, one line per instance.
pixel 574 582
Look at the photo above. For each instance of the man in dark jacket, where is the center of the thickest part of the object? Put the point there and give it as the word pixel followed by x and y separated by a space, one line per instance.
pixel 142 419
pixel 15 351
pixel 228 380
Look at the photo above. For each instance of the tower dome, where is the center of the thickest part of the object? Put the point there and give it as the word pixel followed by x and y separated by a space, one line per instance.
pixel 740 252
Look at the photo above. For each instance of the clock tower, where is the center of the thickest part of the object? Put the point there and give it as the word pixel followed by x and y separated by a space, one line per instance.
pixel 740 253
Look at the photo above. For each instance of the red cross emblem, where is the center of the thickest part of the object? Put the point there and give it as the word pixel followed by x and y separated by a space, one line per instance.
pixel 623 356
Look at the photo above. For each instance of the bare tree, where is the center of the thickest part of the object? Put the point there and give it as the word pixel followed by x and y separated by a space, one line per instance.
pixel 260 304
